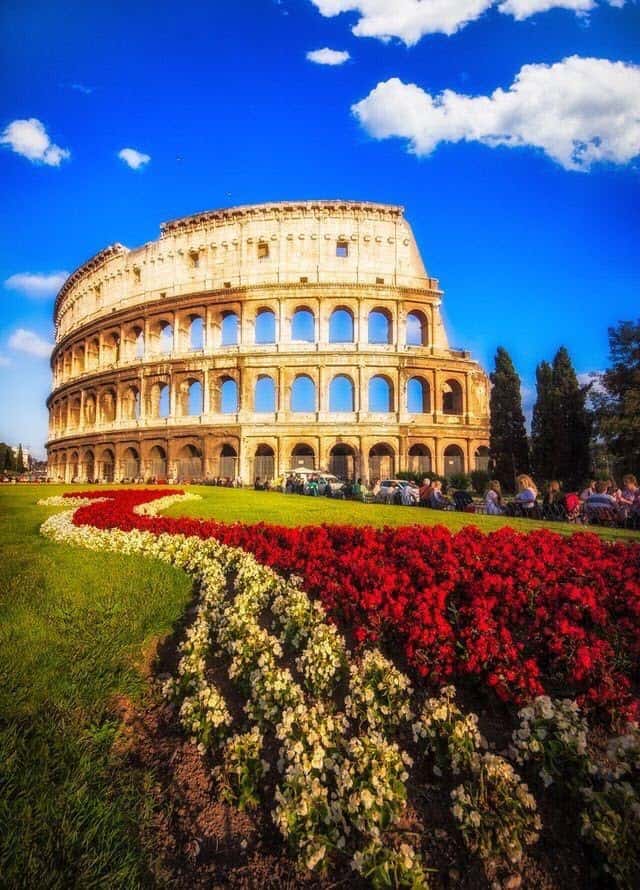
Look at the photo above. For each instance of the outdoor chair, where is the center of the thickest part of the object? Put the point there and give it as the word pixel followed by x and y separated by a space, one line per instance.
pixel 607 516
pixel 462 499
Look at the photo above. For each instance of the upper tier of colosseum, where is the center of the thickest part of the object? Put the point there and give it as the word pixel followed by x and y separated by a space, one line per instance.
pixel 314 242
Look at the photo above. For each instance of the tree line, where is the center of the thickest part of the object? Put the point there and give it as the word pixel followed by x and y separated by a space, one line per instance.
pixel 571 421
pixel 10 461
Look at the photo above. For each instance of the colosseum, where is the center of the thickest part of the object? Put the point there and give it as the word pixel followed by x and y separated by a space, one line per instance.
pixel 255 340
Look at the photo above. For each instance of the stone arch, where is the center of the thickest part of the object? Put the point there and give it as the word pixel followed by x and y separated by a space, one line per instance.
pixel 380 326
pixel 75 416
pixel 130 463
pixel 303 325
pixel 89 465
pixel 264 463
pixel 161 336
pixel 229 328
pixel 342 394
pixel 228 461
pixel 158 462
pixel 418 396
pixel 341 325
pixel 417 328
pixel 381 399
pixel 303 394
pixel 419 459
pixel 343 460
pixel 159 399
pixel 303 455
pixel 481 458
pixel 452 399
pixel 381 461
pixel 133 346
pixel 196 332
pixel 264 395
pixel 111 348
pixel 74 466
pixel 227 395
pixel 108 402
pixel 131 406
pixel 453 460
pixel 189 463
pixel 93 354
pixel 107 465
pixel 265 326
pixel 78 358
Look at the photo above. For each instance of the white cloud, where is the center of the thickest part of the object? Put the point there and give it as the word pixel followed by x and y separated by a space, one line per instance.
pixel 5 361
pixel 328 56
pixel 132 158
pixel 81 88
pixel 410 20
pixel 35 285
pixel 30 139
pixel 579 111
pixel 30 342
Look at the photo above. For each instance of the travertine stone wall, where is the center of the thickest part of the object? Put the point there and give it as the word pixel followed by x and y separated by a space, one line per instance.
pixel 152 343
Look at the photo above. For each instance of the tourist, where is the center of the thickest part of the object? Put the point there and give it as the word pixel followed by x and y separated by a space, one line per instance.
pixel 527 492
pixel 357 490
pixel 493 499
pixel 586 493
pixel 437 500
pixel 553 501
pixel 602 498
pixel 425 492
pixel 375 491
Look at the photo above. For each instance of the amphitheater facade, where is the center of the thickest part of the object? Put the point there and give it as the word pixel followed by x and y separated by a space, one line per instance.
pixel 256 340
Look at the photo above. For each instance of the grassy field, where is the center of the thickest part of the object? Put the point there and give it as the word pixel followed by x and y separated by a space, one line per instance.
pixel 232 505
pixel 77 631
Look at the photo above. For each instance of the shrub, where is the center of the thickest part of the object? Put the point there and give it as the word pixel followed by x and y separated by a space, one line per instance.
pixel 480 480
pixel 459 481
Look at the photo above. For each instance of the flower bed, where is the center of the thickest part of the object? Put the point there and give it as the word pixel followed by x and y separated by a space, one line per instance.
pixel 343 775
pixel 523 614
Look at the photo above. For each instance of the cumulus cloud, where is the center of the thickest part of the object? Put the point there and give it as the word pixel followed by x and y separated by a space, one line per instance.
pixel 30 139
pixel 410 20
pixel 23 340
pixel 328 56
pixel 132 158
pixel 36 285
pixel 579 111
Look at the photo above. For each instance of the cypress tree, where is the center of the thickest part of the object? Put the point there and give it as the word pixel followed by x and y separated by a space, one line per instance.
pixel 571 428
pixel 20 460
pixel 509 447
pixel 542 425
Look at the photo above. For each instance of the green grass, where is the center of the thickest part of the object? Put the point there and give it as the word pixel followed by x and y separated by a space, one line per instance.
pixel 234 505
pixel 76 629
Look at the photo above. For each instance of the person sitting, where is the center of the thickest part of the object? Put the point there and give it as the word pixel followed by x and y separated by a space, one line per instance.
pixel 553 502
pixel 424 492
pixel 357 491
pixel 437 500
pixel 409 494
pixel 525 501
pixel 493 499
pixel 258 486
pixel 628 493
pixel 586 493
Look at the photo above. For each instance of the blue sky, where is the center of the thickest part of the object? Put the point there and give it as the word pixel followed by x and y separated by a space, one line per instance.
pixel 534 243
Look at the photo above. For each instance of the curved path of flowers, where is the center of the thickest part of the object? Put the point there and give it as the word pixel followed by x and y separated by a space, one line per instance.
pixel 339 720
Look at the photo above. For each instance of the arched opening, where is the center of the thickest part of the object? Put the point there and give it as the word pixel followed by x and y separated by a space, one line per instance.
pixel 196 333
pixel 89 466
pixel 381 462
pixel 139 343
pixel 342 461
pixel 264 463
pixel 453 460
pixel 107 465
pixel 89 410
pixel 165 339
pixel 265 331
pixel 74 413
pixel 229 329
pixel 93 354
pixel 380 395
pixel 158 462
pixel 341 394
pixel 189 463
pixel 62 467
pixel 341 326
pixel 158 404
pixel 111 349
pixel 419 459
pixel 482 458
pixel 303 326
pixel 194 401
pixel 417 329
pixel 108 406
pixel 451 397
pixel 134 343
pixel 303 456
pixel 380 326
pixel 418 396
pixel 303 394
pixel 131 406
pixel 228 462
pixel 78 359
pixel 130 464
pixel 228 396
pixel 264 398
pixel 74 466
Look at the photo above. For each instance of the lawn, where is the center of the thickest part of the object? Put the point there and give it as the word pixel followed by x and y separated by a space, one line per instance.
pixel 232 505
pixel 76 632
pixel 77 635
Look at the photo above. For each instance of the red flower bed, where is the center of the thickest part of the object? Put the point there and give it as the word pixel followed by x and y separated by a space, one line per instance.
pixel 522 613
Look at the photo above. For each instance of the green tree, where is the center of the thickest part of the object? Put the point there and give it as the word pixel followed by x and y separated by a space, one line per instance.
pixel 617 401
pixel 20 467
pixel 542 424
pixel 571 424
pixel 509 447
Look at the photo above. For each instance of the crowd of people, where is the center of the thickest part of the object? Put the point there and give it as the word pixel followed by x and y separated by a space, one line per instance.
pixel 600 502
